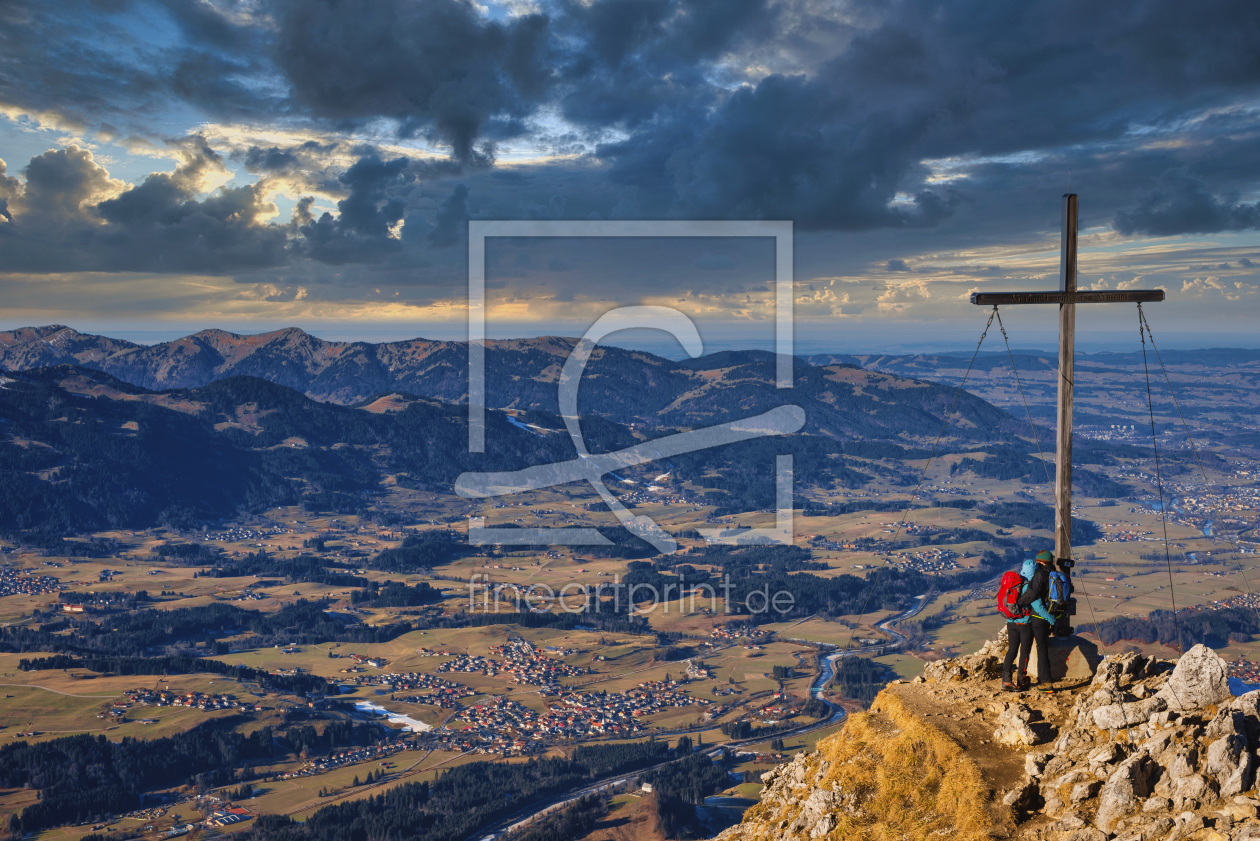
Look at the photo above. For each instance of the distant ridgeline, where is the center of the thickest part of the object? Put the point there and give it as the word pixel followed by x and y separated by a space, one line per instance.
pixel 136 463
pixel 127 457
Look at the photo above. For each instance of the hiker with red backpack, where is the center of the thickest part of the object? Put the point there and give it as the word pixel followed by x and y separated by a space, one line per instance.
pixel 1022 599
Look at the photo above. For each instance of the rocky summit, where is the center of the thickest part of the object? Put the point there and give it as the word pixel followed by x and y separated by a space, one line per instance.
pixel 1144 750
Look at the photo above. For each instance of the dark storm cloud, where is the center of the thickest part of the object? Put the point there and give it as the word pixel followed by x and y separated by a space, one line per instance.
pixel 361 232
pixel 98 64
pixel 57 57
pixel 436 66
pixel 638 59
pixel 1182 204
pixel 205 24
pixel 71 216
pixel 832 148
pixel 220 85
pixel 452 219
pixel 381 193
pixel 308 166
pixel 674 97
pixel 792 148
pixel 1005 78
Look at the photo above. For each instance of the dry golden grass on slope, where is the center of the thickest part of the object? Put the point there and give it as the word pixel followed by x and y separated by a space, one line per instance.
pixel 915 781
pixel 908 780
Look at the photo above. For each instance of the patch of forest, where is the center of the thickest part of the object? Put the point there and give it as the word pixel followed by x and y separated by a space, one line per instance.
pixel 84 778
pixel 191 630
pixel 460 800
pixel 1215 628
pixel 679 787
pixel 396 594
pixel 299 684
pixel 573 821
pixel 861 679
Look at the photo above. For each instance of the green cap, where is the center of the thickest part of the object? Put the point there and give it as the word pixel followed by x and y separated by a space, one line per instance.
pixel 1045 556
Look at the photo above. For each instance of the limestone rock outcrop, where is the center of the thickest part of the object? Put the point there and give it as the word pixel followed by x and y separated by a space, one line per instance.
pixel 1146 750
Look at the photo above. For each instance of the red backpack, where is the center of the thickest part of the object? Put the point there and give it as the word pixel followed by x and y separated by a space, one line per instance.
pixel 1008 594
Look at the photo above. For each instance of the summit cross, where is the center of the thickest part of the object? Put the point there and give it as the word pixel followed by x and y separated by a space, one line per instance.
pixel 1067 297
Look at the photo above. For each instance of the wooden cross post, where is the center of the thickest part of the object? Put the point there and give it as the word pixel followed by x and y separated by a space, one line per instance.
pixel 1067 298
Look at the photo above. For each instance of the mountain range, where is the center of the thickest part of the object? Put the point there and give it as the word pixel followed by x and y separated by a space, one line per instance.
pixel 841 399
pixel 97 432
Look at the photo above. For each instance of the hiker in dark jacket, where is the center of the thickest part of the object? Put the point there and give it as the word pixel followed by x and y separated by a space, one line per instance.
pixel 1036 596
pixel 1020 632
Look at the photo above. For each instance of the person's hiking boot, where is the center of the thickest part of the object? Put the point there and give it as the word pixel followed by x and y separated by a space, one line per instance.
pixel 1041 686
pixel 1008 686
pixel 1023 683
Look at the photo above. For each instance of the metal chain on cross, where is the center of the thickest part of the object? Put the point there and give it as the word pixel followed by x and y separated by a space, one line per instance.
pixel 1194 449
pixel 1159 478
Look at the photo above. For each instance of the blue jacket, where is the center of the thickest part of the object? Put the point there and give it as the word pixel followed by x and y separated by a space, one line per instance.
pixel 1038 606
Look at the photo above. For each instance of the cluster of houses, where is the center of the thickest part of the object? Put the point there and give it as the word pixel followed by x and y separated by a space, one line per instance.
pixel 1199 500
pixel 342 758
pixel 777 712
pixel 907 527
pixel 502 722
pixel 697 671
pixel 1238 507
pixel 361 662
pixel 660 686
pixel 1125 536
pixel 228 816
pixel 467 741
pixel 929 561
pixel 1124 532
pixel 857 544
pixel 736 630
pixel 19 582
pixel 1246 600
pixel 657 494
pixel 239 534
pixel 523 661
pixel 496 717
pixel 192 700
pixel 440 692
pixel 948 488
pixel 148 813
pixel 1247 671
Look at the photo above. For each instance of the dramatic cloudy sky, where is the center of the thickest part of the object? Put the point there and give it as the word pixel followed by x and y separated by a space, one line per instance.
pixel 177 164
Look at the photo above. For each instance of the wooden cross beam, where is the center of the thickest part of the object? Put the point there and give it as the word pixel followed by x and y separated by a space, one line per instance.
pixel 1067 297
